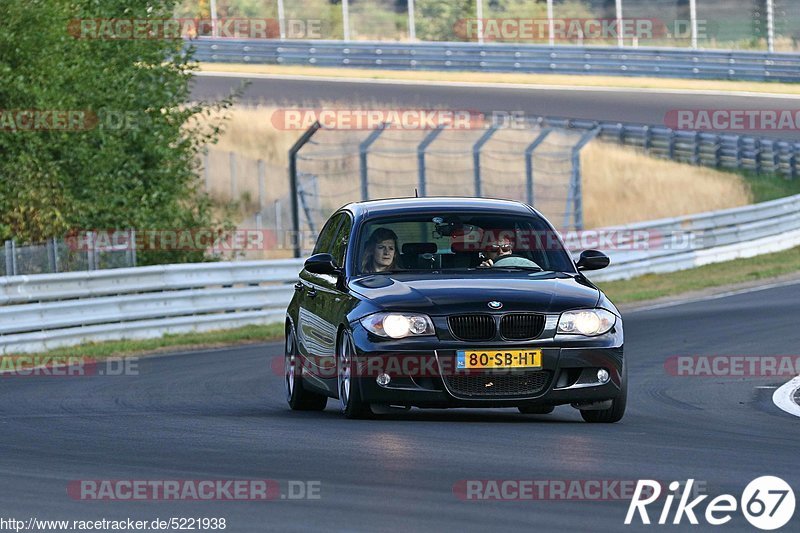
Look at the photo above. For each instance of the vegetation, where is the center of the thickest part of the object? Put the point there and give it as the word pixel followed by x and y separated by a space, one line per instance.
pixel 129 157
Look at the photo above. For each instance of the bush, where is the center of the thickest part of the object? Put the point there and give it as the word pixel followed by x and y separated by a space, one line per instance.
pixel 131 159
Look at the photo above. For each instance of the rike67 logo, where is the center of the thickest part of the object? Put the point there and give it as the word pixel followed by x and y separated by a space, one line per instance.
pixel 767 502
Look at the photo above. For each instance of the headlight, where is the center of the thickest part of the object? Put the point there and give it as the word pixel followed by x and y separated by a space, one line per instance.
pixel 589 322
pixel 398 325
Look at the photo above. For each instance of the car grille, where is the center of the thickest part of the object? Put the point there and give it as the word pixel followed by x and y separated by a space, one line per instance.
pixel 472 327
pixel 521 326
pixel 515 326
pixel 487 384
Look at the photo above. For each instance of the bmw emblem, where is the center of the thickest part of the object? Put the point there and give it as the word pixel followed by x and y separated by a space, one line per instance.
pixel 494 304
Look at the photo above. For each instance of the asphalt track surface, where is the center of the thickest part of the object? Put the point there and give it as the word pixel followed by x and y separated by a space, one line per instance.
pixel 221 414
pixel 613 106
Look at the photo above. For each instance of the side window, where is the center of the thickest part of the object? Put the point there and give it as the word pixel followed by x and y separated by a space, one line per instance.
pixel 326 236
pixel 340 241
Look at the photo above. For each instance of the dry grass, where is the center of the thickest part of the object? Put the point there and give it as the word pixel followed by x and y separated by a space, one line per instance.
pixel 620 184
pixel 531 79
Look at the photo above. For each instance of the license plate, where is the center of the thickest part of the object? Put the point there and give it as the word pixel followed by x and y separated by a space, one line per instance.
pixel 469 359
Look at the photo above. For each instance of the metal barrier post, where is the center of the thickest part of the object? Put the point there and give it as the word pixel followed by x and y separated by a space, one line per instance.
pixel 529 163
pixel 421 156
pixel 293 183
pixel 363 150
pixel 671 149
pixel 696 156
pixel 476 157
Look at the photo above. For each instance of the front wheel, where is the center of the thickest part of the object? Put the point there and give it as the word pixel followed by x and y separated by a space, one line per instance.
pixel 349 391
pixel 297 396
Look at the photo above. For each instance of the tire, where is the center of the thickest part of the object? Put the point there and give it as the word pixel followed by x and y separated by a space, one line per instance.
pixel 536 409
pixel 298 398
pixel 616 411
pixel 349 392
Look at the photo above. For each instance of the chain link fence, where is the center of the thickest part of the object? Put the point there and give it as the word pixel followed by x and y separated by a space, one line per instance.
pixel 63 255
pixel 539 165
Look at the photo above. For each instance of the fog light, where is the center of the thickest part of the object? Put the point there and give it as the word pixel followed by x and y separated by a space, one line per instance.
pixel 383 380
pixel 602 375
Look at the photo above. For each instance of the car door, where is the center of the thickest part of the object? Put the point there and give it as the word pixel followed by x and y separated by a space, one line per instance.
pixel 316 336
pixel 331 304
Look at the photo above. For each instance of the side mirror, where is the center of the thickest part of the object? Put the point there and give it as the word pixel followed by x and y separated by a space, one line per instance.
pixel 322 264
pixel 592 260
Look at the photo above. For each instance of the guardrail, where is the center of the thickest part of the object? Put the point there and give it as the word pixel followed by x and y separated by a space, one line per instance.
pixel 44 311
pixel 496 57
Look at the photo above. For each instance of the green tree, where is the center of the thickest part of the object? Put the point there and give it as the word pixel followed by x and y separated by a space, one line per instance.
pixel 131 161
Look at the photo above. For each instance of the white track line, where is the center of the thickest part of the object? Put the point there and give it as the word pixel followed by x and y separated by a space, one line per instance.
pixel 489 85
pixel 784 397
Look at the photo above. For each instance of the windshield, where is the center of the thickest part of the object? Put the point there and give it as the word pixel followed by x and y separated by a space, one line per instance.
pixel 459 242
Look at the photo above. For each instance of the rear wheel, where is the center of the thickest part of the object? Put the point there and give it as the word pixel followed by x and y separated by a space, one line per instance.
pixel 349 391
pixel 617 409
pixel 299 398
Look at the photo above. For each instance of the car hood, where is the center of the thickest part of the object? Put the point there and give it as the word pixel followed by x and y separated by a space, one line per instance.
pixel 438 295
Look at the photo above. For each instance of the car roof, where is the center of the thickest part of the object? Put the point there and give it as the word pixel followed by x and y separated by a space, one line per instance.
pixel 390 206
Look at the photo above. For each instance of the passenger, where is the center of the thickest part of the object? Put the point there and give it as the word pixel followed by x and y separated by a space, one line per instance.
pixel 380 252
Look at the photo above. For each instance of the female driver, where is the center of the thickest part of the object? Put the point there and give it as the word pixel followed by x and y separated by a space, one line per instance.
pixel 380 252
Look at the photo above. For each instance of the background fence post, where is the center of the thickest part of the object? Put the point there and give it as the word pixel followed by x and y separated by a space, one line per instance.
pixel 412 25
pixel 293 184
pixel 261 185
pixel 91 252
pixel 132 247
pixel 51 255
pixel 421 157
pixel 232 165
pixel 476 157
pixel 529 163
pixel 576 190
pixel 206 171
pixel 10 262
pixel 363 151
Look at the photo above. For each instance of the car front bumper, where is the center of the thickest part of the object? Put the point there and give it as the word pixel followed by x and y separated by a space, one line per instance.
pixel 423 372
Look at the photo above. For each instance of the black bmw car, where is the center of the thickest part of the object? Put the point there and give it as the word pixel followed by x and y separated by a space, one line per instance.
pixel 451 302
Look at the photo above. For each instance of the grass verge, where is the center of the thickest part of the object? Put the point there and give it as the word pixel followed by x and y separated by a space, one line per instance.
pixel 167 343
pixel 530 79
pixel 652 286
